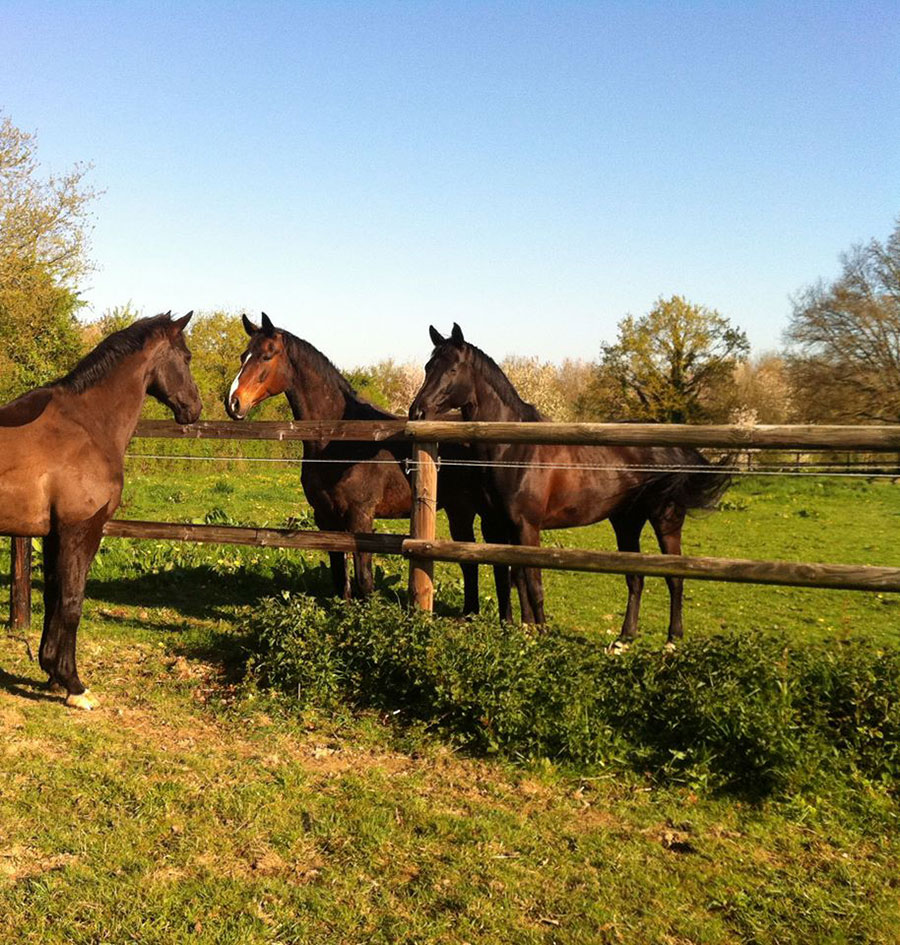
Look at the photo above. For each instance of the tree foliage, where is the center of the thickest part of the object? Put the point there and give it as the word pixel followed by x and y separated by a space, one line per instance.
pixel 844 339
pixel 43 254
pixel 387 384
pixel 555 389
pixel 762 389
pixel 675 364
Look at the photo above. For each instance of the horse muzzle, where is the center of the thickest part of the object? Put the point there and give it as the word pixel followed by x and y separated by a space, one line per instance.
pixel 185 415
pixel 233 407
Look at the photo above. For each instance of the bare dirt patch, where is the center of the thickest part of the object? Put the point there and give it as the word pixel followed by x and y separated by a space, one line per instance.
pixel 19 862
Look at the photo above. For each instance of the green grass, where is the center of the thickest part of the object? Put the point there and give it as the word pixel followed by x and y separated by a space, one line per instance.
pixel 192 807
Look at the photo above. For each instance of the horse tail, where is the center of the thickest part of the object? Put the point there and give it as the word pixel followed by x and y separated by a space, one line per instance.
pixel 686 489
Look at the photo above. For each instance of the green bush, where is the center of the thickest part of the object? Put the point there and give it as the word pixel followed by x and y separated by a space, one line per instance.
pixel 751 714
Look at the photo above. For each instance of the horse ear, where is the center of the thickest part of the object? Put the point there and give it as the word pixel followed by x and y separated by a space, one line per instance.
pixel 267 326
pixel 249 327
pixel 181 323
pixel 456 336
pixel 436 337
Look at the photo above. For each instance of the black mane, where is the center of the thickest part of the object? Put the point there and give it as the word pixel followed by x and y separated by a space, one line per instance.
pixel 97 364
pixel 302 352
pixel 304 355
pixel 503 386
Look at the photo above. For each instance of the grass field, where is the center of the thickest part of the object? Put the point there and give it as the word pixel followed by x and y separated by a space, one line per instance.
pixel 193 807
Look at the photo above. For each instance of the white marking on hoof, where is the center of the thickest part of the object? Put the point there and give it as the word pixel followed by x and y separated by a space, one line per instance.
pixel 670 647
pixel 83 700
pixel 617 647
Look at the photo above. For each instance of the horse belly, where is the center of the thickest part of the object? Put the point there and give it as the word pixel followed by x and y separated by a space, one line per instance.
pixel 24 506
pixel 81 501
pixel 575 498
pixel 395 501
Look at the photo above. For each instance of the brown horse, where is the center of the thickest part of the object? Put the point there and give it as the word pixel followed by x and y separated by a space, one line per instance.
pixel 62 451
pixel 539 487
pixel 348 484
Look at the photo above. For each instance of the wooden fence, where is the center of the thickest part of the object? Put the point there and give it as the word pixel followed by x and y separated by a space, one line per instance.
pixel 421 546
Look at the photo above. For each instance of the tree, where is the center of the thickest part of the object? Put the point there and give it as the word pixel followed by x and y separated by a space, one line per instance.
pixel 555 389
pixel 387 384
pixel 762 388
pixel 43 254
pixel 217 340
pixel 676 364
pixel 844 339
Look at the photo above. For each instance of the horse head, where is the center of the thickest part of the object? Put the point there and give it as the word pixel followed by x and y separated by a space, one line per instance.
pixel 265 369
pixel 171 381
pixel 449 378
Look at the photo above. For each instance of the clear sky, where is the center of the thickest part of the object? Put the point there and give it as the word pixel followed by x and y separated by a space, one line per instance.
pixel 534 171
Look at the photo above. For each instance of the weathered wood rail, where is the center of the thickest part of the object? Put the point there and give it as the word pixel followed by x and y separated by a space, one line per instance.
pixel 871 439
pixel 422 548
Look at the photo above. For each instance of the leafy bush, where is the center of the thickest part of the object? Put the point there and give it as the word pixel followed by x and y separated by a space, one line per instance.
pixel 751 714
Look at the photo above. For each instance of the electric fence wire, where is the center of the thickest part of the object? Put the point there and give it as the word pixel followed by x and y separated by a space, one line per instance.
pixel 798 470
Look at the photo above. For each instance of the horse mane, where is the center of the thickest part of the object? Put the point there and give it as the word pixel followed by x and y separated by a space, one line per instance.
pixel 302 354
pixel 502 385
pixel 97 364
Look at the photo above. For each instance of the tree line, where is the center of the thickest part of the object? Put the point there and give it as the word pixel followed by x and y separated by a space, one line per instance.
pixel 680 362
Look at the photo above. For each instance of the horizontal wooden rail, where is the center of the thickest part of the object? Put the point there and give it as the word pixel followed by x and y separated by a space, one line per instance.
pixel 261 537
pixel 364 430
pixel 793 437
pixel 786 573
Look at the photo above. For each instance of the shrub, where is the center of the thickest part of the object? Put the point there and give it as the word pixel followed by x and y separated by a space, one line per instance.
pixel 744 713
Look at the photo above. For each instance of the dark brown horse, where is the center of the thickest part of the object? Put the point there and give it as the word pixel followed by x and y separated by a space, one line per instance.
pixel 61 466
pixel 348 484
pixel 539 487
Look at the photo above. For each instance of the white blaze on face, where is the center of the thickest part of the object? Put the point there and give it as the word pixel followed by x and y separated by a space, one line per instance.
pixel 236 383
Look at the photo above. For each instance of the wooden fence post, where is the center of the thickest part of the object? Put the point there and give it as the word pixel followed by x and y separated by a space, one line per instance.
pixel 20 584
pixel 422 523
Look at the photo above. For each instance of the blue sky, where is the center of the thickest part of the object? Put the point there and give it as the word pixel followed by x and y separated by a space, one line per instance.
pixel 532 171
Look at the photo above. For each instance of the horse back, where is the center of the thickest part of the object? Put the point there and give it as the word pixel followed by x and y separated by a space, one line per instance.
pixel 25 409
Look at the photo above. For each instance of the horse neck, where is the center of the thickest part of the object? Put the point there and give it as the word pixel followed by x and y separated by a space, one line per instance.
pixel 111 408
pixel 314 396
pixel 317 393
pixel 491 403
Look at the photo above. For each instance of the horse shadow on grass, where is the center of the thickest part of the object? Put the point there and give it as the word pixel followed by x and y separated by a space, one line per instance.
pixel 203 592
pixel 225 602
pixel 32 688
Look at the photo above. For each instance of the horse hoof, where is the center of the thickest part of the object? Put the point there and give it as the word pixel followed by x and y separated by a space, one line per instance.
pixel 83 700
pixel 669 647
pixel 617 647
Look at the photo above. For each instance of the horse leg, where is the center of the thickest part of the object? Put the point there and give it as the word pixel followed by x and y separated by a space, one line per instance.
pixel 49 648
pixel 462 528
pixel 363 581
pixel 340 576
pixel 628 538
pixel 494 532
pixel 77 546
pixel 668 533
pixel 528 580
